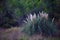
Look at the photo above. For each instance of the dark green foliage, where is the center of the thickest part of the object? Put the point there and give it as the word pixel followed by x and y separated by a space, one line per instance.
pixel 48 28
pixel 14 9
pixel 6 16
pixel 53 8
pixel 11 10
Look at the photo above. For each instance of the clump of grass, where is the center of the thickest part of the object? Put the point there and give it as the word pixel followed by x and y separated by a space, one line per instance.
pixel 39 24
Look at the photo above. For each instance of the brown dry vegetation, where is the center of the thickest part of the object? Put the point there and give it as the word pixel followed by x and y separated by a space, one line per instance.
pixel 16 34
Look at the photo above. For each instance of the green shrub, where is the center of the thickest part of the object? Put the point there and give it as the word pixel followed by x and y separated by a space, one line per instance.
pixel 39 24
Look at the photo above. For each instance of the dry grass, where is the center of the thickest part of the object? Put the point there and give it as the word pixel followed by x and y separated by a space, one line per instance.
pixel 16 34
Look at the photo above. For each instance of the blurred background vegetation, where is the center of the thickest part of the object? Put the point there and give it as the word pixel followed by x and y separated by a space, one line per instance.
pixel 13 10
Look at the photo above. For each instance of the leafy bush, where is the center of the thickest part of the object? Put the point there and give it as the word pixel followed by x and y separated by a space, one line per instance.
pixel 39 24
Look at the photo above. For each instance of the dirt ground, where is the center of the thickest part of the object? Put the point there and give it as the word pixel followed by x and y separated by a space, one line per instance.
pixel 10 34
pixel 16 34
